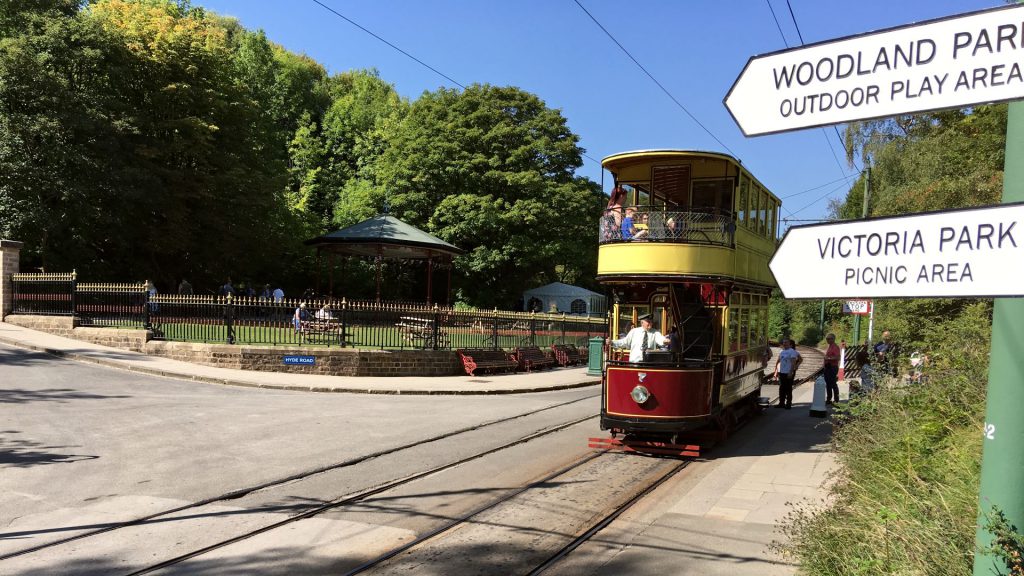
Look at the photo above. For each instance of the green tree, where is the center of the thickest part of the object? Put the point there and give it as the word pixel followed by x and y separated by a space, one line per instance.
pixel 491 169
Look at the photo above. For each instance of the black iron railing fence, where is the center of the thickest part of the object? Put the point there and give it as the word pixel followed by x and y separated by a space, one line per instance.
pixel 44 294
pixel 116 305
pixel 251 320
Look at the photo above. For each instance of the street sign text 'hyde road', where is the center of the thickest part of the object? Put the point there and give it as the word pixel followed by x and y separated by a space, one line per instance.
pixel 948 63
pixel 976 252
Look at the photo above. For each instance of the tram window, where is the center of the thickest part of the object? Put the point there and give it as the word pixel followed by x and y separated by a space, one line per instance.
pixel 756 326
pixel 744 328
pixel 712 195
pixel 762 214
pixel 672 183
pixel 756 220
pixel 734 329
pixel 741 204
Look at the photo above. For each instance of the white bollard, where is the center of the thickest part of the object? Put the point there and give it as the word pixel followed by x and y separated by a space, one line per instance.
pixel 818 408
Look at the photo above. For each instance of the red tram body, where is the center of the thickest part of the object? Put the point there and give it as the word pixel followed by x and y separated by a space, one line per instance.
pixel 686 238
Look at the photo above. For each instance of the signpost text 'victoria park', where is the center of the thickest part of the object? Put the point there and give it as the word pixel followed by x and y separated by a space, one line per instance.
pixel 953 62
pixel 941 254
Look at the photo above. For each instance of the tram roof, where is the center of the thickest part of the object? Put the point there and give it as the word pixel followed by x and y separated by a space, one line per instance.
pixel 680 153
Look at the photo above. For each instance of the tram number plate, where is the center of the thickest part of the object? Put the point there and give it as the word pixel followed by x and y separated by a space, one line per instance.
pixel 990 431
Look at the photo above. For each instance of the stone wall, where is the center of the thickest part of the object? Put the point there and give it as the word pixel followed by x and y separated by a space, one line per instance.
pixel 327 361
pixel 125 339
pixel 59 325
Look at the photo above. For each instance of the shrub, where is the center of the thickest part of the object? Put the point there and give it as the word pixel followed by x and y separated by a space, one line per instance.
pixel 904 500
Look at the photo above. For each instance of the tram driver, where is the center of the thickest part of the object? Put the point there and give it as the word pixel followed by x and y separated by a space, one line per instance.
pixel 640 339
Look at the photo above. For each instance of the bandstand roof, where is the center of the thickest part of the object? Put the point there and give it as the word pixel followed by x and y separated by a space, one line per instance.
pixel 387 236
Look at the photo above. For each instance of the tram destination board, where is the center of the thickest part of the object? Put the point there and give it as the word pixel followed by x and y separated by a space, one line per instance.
pixel 969 253
pixel 953 62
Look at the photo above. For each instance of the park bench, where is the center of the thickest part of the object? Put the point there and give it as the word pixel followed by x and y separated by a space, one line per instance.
pixel 530 357
pixel 480 359
pixel 420 332
pixel 567 354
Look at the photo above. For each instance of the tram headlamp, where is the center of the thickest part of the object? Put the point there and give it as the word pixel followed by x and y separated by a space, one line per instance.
pixel 640 394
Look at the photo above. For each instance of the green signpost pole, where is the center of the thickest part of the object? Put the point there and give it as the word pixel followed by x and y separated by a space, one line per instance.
pixel 1002 463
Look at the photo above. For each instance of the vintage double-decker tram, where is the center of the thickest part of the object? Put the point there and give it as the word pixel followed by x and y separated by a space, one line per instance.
pixel 687 238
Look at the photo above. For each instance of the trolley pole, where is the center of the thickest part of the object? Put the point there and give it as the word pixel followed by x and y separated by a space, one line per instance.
pixel 1002 463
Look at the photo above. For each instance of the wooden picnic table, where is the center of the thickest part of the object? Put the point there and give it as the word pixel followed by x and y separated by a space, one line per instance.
pixel 420 332
pixel 324 328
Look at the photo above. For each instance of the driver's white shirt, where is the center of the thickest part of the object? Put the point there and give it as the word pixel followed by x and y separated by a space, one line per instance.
pixel 634 340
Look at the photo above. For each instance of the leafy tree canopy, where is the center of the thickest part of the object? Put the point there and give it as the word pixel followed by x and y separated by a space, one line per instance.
pixel 150 138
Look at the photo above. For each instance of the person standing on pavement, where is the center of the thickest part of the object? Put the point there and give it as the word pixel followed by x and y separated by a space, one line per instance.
pixel 640 339
pixel 831 370
pixel 785 371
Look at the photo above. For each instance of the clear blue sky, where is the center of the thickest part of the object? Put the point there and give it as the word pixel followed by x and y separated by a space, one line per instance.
pixel 695 48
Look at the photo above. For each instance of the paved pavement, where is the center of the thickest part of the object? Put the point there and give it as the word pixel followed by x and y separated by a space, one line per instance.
pixel 719 519
pixel 723 515
pixel 558 379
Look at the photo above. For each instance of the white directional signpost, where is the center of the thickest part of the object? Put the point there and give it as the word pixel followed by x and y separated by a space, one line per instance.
pixel 947 63
pixel 965 253
pixel 953 62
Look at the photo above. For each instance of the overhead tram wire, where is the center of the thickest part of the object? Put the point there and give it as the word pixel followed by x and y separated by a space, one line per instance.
pixel 819 199
pixel 786 43
pixel 421 62
pixel 655 80
pixel 819 187
pixel 800 35
pixel 410 56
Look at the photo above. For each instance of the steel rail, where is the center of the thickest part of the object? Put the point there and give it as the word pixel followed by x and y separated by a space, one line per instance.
pixel 468 516
pixel 242 492
pixel 604 522
pixel 356 497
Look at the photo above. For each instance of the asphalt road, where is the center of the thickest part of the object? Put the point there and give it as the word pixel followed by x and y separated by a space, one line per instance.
pixel 81 446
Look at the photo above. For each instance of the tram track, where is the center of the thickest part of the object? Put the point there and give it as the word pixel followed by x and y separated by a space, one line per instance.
pixel 243 492
pixel 608 519
pixel 630 496
pixel 359 497
pixel 814 362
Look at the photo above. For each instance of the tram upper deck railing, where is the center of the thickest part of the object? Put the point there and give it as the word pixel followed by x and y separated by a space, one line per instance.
pixel 651 224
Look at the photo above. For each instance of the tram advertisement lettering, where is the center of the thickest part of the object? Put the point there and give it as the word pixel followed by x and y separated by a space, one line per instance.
pixel 951 253
pixel 947 63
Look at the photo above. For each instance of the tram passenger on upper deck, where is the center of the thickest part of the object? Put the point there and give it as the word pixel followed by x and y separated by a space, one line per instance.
pixel 640 339
pixel 628 228
pixel 611 221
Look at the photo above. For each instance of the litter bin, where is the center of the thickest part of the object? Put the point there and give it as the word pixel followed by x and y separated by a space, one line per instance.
pixel 595 356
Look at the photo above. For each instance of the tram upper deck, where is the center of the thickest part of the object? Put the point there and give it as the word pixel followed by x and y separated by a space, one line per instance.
pixel 677 214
